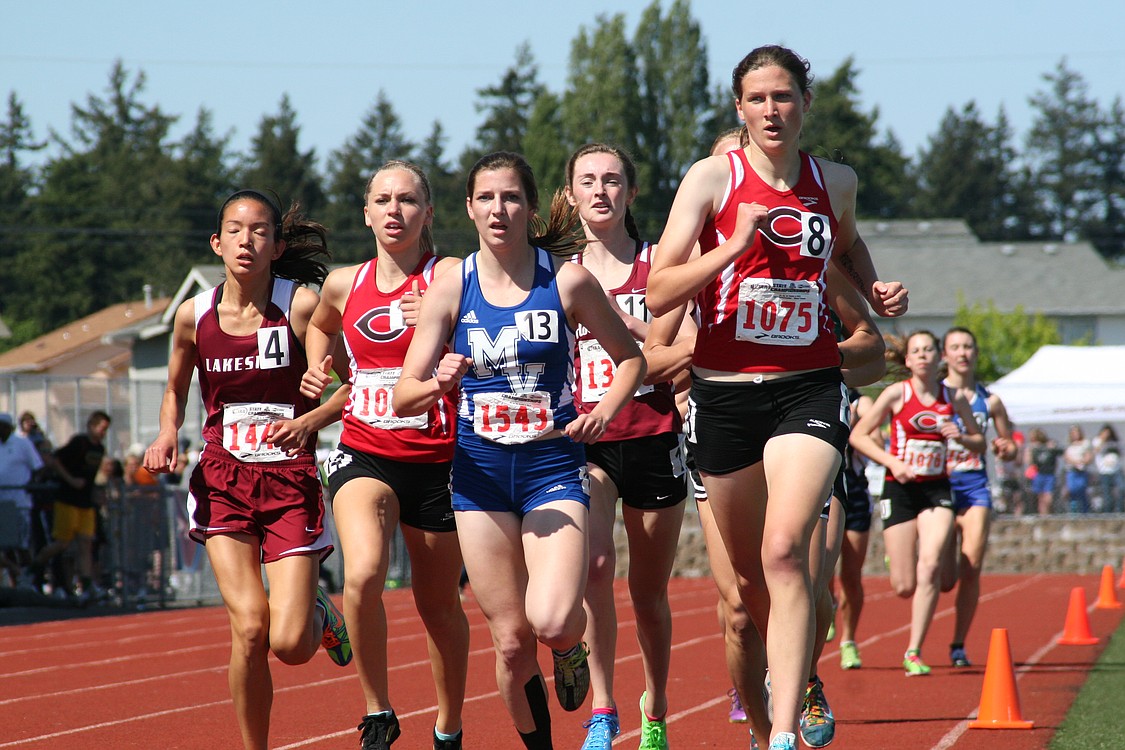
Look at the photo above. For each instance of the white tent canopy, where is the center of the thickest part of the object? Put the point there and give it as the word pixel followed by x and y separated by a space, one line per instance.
pixel 1066 384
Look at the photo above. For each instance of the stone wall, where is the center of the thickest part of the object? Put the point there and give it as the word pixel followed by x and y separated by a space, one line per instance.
pixel 1028 544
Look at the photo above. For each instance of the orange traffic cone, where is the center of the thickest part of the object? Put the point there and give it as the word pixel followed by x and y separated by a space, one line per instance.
pixel 1076 632
pixel 1107 597
pixel 999 699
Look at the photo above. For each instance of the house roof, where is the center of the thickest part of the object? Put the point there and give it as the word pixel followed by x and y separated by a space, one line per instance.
pixel 943 263
pixel 80 336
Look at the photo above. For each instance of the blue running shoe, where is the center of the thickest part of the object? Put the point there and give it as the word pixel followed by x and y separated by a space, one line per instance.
pixel 602 730
pixel 784 741
pixel 818 725
pixel 335 638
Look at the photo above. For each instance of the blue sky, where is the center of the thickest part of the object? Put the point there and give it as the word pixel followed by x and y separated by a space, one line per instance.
pixel 332 57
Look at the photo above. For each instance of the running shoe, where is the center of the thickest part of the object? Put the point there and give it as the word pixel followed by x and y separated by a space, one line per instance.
pixel 849 656
pixel 958 658
pixel 737 712
pixel 654 732
pixel 784 741
pixel 572 676
pixel 767 693
pixel 378 731
pixel 753 741
pixel 818 725
pixel 601 730
pixel 913 664
pixel 335 638
pixel 451 744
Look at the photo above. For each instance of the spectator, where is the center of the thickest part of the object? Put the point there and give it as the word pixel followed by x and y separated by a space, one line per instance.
pixel 30 429
pixel 1107 461
pixel 77 464
pixel 1077 457
pixel 44 489
pixel 18 462
pixel 1042 465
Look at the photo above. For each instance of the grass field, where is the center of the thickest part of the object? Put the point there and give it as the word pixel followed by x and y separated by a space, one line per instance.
pixel 1096 721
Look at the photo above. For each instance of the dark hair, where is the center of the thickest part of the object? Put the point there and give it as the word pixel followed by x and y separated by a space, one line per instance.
pixel 98 416
pixel 557 235
pixel 426 241
pixel 305 240
pixel 626 163
pixel 772 54
pixel 958 329
pixel 896 350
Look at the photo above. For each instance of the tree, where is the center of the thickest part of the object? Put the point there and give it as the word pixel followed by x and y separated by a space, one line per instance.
pixel 108 208
pixel 602 101
pixel 276 163
pixel 836 129
pixel 968 171
pixel 1105 228
pixel 507 107
pixel 380 138
pixel 453 233
pixel 1005 340
pixel 676 119
pixel 543 148
pixel 1062 147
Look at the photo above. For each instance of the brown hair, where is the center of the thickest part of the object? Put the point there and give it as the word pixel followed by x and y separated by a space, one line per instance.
pixel 557 235
pixel 772 54
pixel 626 163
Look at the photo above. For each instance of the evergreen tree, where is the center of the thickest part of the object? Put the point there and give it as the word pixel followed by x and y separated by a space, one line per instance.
pixel 453 233
pixel 109 204
pixel 379 139
pixel 546 153
pixel 1063 149
pixel 602 101
pixel 1105 228
pixel 677 116
pixel 276 163
pixel 17 183
pixel 507 107
pixel 836 129
pixel 968 171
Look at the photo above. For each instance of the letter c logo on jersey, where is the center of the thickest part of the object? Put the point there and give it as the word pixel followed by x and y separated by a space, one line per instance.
pixel 380 324
pixel 927 421
pixel 783 227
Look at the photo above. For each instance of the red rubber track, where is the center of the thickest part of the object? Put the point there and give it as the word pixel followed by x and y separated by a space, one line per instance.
pixel 158 679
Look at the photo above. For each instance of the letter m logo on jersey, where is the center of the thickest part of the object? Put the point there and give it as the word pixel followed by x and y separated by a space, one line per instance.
pixel 500 357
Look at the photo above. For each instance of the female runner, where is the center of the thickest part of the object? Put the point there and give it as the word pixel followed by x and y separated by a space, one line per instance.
pixel 767 395
pixel 639 458
pixel 972 495
pixel 917 504
pixel 519 467
pixel 388 470
pixel 255 494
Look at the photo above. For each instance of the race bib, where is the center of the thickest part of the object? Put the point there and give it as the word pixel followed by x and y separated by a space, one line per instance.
pixel 925 457
pixel 960 458
pixel 512 418
pixel 779 312
pixel 273 347
pixel 597 372
pixel 371 401
pixel 246 427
